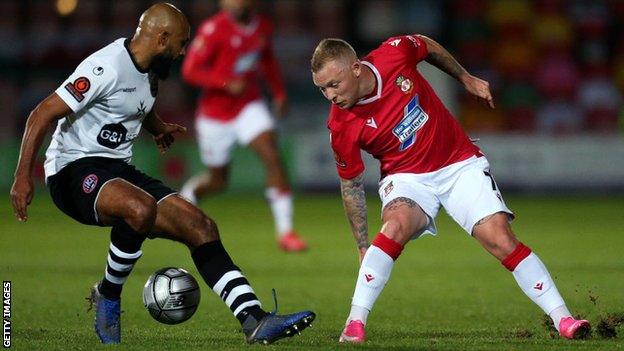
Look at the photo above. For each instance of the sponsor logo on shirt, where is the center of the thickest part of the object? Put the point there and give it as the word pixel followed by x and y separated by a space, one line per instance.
pixel 246 62
pixel 388 188
pixel 112 135
pixel 141 110
pixel 98 70
pixel 77 89
pixel 339 161
pixel 129 90
pixel 395 42
pixel 371 123
pixel 89 183
pixel 413 40
pixel 414 118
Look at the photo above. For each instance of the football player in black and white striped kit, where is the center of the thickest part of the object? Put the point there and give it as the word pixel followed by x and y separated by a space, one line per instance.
pixel 99 112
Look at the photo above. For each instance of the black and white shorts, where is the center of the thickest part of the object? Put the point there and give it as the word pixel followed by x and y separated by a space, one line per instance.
pixel 76 187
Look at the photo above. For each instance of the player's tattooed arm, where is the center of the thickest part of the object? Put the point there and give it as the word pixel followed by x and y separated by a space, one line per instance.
pixel 442 59
pixel 354 201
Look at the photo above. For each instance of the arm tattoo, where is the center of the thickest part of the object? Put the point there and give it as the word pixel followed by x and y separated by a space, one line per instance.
pixel 354 201
pixel 442 59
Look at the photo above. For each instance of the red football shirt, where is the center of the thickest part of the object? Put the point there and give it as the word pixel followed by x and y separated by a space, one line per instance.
pixel 222 51
pixel 404 125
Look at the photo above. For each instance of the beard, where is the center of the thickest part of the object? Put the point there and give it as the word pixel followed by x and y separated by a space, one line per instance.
pixel 161 65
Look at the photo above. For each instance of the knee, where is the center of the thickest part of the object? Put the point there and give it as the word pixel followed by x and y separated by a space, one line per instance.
pixel 397 230
pixel 142 214
pixel 502 241
pixel 204 230
pixel 506 243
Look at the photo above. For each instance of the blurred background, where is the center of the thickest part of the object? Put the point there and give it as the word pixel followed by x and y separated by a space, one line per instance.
pixel 556 68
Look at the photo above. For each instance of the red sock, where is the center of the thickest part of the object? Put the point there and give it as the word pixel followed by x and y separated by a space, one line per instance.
pixel 513 259
pixel 387 245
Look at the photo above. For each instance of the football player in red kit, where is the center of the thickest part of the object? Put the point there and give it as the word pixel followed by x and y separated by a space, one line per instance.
pixel 381 104
pixel 230 53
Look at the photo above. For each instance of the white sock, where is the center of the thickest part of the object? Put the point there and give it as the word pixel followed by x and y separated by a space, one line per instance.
pixel 281 203
pixel 372 278
pixel 535 281
pixel 558 313
pixel 358 314
pixel 188 191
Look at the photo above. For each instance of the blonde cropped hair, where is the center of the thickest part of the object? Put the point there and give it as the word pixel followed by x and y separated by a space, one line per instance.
pixel 331 49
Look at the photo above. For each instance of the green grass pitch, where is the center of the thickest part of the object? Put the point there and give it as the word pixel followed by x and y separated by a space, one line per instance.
pixel 445 293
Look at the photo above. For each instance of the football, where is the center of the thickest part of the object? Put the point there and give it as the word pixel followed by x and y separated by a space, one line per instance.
pixel 171 295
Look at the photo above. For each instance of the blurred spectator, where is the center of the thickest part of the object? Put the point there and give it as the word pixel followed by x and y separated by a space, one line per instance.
pixel 123 18
pixel 10 49
pixel 475 116
pixel 509 13
pixel 556 76
pixel 8 107
pixel 541 56
pixel 601 102
pixel 551 29
pixel 559 117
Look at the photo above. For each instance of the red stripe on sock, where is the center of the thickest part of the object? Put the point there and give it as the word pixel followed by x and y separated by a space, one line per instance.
pixel 513 259
pixel 387 245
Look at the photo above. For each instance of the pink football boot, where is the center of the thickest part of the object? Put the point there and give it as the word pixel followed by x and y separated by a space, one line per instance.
pixel 571 328
pixel 353 333
pixel 292 242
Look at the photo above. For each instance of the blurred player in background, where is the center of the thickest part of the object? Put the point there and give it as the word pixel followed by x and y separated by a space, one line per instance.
pixel 382 104
pixel 99 112
pixel 230 53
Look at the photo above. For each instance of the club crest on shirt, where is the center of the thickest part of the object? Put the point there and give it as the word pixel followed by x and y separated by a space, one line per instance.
pixel 89 183
pixel 414 118
pixel 405 84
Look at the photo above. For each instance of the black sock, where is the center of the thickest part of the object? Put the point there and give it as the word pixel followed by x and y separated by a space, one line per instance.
pixel 224 278
pixel 123 253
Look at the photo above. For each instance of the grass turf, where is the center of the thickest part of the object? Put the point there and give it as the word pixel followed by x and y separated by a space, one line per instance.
pixel 445 293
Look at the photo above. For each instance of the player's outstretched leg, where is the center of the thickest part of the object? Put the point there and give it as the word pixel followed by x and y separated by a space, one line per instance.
pixel 131 212
pixel 495 234
pixel 278 192
pixel 213 180
pixel 372 278
pixel 281 204
pixel 179 220
pixel 402 217
pixel 107 316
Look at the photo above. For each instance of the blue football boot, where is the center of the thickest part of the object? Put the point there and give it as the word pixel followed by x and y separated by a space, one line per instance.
pixel 273 327
pixel 107 316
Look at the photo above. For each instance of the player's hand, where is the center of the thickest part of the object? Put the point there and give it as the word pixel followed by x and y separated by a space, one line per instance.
pixel 22 193
pixel 362 252
pixel 281 107
pixel 165 138
pixel 479 88
pixel 236 87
